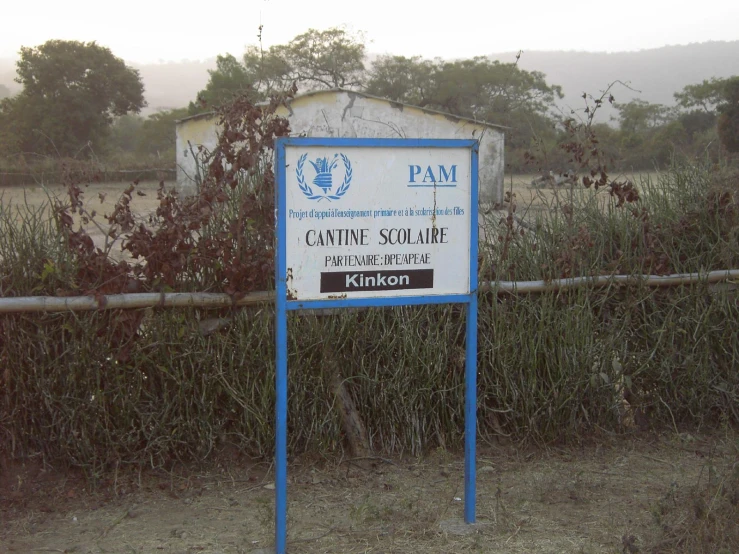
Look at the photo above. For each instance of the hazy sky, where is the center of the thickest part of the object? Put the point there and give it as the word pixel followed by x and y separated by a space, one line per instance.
pixel 158 30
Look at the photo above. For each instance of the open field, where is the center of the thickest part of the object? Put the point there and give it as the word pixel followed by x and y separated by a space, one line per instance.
pixel 101 198
pixel 520 185
pixel 111 192
pixel 615 497
pixel 98 198
pixel 533 198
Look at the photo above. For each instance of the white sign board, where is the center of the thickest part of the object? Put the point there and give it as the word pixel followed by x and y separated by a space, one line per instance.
pixel 374 222
pixel 369 222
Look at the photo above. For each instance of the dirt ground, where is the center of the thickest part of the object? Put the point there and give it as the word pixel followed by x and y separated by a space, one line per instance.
pixel 595 499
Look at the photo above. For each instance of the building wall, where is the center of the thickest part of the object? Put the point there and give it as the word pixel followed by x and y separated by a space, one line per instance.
pixel 353 115
pixel 192 134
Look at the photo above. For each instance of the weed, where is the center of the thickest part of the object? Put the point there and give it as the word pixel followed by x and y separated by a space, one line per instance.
pixel 702 519
pixel 147 387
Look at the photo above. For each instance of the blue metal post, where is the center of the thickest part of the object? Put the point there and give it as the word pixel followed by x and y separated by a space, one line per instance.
pixel 280 361
pixel 470 411
pixel 470 369
pixel 281 430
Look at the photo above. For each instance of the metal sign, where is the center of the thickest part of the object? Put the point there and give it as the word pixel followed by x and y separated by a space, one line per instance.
pixel 368 222
pixel 374 222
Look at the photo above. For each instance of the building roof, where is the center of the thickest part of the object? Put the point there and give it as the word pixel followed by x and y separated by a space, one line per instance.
pixel 399 105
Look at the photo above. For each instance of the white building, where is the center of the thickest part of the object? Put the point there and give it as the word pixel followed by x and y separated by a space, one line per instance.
pixel 351 114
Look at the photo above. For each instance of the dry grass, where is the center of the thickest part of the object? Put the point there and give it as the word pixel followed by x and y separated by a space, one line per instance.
pixel 600 499
pixel 151 389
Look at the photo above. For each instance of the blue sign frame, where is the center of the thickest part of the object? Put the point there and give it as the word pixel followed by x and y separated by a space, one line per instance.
pixel 284 305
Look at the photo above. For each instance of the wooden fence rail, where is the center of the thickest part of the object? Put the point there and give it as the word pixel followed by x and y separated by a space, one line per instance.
pixel 216 300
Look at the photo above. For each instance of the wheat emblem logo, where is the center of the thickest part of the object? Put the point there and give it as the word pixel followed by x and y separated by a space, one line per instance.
pixel 324 179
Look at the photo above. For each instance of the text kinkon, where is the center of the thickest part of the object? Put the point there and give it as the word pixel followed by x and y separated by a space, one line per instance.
pixel 360 280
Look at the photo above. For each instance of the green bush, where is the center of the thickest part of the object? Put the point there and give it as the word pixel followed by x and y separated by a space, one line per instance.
pixel 147 387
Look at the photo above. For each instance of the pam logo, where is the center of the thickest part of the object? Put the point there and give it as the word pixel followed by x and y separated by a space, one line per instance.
pixel 326 171
pixel 432 177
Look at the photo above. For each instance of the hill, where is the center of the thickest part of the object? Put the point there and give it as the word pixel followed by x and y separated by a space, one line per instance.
pixel 652 75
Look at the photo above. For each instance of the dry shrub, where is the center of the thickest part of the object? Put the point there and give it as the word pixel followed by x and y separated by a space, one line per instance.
pixel 219 239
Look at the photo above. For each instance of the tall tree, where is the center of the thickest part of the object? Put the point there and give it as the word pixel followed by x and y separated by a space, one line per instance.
pixel 8 128
pixel 493 90
pixel 696 122
pixel 4 91
pixel 268 70
pixel 124 134
pixel 71 93
pixel 718 100
pixel 406 80
pixel 158 134
pixel 639 116
pixel 332 58
pixel 476 87
pixel 312 60
pixel 153 137
pixel 705 95
pixel 728 120
pixel 229 78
